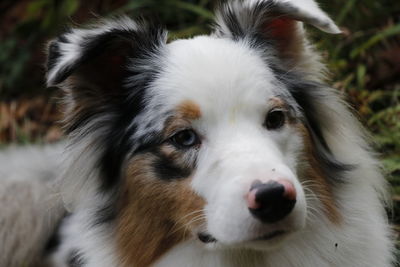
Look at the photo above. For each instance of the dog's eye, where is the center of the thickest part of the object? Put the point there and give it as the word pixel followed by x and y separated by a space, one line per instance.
pixel 275 119
pixel 185 139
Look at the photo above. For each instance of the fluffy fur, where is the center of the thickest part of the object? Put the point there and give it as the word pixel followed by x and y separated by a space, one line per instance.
pixel 30 205
pixel 167 139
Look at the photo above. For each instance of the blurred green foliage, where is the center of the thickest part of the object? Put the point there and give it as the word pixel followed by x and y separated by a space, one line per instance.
pixel 22 34
pixel 27 25
pixel 364 60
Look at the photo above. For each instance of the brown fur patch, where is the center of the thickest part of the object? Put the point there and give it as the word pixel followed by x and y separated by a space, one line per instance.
pixel 320 185
pixel 185 113
pixel 189 110
pixel 277 102
pixel 154 215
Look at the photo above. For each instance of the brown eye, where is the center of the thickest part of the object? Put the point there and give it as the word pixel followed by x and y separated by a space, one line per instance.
pixel 185 139
pixel 275 119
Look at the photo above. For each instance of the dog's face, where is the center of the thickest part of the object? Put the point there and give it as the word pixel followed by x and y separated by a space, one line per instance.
pixel 220 137
pixel 231 127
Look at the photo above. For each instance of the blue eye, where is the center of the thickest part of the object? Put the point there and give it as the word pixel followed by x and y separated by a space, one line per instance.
pixel 275 119
pixel 185 139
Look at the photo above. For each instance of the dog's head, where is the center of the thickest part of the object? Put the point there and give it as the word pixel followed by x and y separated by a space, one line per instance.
pixel 225 138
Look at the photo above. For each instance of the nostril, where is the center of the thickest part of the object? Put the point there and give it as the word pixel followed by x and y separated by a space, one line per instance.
pixel 290 191
pixel 271 201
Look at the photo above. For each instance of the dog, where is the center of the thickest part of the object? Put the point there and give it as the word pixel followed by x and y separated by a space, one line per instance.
pixel 228 149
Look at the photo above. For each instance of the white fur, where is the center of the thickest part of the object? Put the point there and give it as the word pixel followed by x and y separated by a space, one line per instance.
pixel 95 243
pixel 30 207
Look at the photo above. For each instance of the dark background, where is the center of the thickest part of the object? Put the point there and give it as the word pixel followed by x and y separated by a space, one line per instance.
pixel 364 61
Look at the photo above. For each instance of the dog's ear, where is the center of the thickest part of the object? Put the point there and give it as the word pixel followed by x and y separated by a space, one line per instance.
pixel 277 23
pixel 95 62
pixel 100 53
pixel 103 68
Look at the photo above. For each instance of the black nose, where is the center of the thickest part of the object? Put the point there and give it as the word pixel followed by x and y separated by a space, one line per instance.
pixel 272 202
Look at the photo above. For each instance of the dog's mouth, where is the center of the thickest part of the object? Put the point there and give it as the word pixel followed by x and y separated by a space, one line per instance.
pixel 270 236
pixel 207 238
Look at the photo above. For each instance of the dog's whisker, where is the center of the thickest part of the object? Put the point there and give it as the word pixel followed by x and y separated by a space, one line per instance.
pixel 188 224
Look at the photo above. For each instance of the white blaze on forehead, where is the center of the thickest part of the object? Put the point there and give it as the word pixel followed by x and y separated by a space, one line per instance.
pixel 220 75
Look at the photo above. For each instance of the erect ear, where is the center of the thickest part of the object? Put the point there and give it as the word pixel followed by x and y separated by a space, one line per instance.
pixel 277 23
pixel 96 62
pixel 104 68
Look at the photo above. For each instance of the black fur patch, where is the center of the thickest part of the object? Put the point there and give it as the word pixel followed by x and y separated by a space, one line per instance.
pixel 75 259
pixel 231 19
pixel 118 140
pixel 106 213
pixel 55 240
pixel 247 22
pixel 53 243
pixel 53 54
pixel 145 39
pixel 166 169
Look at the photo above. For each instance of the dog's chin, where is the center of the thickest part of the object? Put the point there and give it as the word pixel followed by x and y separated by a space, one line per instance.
pixel 268 242
pixel 265 242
